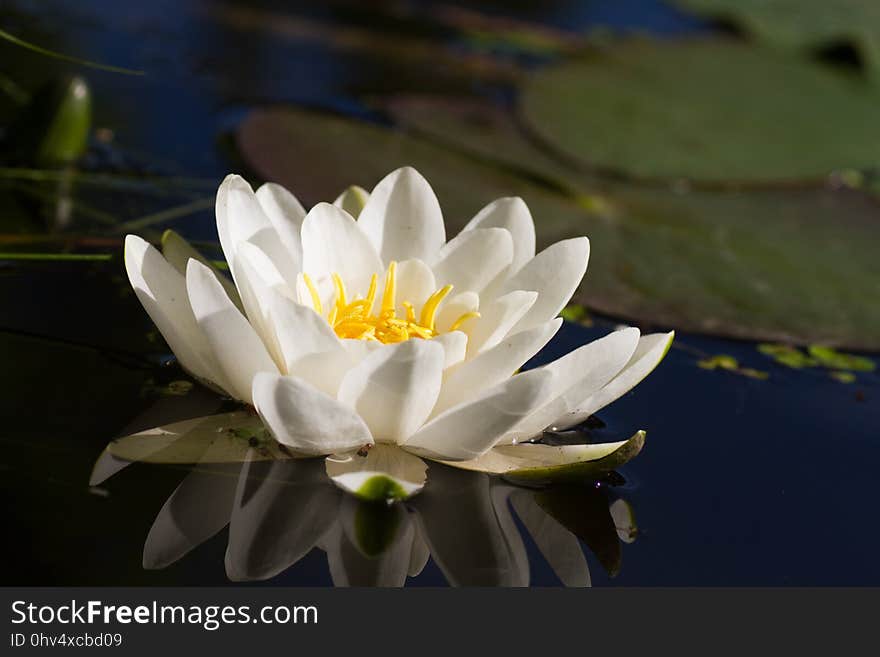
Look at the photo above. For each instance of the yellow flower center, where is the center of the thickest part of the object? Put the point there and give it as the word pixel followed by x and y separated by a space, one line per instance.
pixel 355 319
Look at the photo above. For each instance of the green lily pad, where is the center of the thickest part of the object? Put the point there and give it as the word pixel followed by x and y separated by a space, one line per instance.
pixel 835 360
pixel 480 129
pixel 707 111
pixel 333 153
pixel 817 356
pixel 799 24
pixel 790 264
pixel 225 438
pixel 536 464
pixel 729 263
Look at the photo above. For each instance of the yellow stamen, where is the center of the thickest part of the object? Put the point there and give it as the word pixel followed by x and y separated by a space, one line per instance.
pixel 430 308
pixel 388 303
pixel 461 320
pixel 371 294
pixel 340 291
pixel 316 299
pixel 355 319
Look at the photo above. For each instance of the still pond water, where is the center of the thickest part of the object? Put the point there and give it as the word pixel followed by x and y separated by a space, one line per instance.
pixel 743 481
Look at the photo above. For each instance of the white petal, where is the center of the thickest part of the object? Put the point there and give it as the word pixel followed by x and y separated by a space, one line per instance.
pixel 512 214
pixel 474 258
pixel 465 431
pixel 301 333
pixel 236 346
pixel 560 547
pixel 260 282
pixel 286 214
pixel 454 307
pixel 455 346
pixel 178 252
pixel 415 283
pixel 554 274
pixel 497 319
pixel 384 473
pixel 578 374
pixel 648 354
pixel 162 291
pixel 306 420
pixel 333 243
pixel 352 200
pixel 402 217
pixel 394 388
pixel 493 365
pixel 240 218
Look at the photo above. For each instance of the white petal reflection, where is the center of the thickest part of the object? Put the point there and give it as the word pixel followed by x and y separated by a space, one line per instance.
pixel 560 547
pixel 185 520
pixel 460 523
pixel 279 509
pixel 282 510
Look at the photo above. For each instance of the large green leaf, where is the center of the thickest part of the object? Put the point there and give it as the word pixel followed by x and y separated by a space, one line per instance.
pixel 798 24
pixel 705 110
pixel 774 264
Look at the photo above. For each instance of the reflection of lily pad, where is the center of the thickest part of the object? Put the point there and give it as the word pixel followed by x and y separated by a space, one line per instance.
pixel 707 111
pixel 777 264
pixel 797 24
pixel 541 464
pixel 584 512
pixel 225 438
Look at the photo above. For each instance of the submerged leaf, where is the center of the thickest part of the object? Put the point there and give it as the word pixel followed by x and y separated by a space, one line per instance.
pixel 843 377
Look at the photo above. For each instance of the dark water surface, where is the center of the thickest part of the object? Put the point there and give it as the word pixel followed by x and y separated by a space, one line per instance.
pixel 742 481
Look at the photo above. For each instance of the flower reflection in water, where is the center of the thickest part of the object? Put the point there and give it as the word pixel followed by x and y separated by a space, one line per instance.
pixel 278 509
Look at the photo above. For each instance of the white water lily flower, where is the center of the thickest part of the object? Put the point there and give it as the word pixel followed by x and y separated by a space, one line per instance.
pixel 349 331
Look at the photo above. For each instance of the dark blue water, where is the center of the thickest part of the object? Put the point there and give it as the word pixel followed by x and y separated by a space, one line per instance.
pixel 742 481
